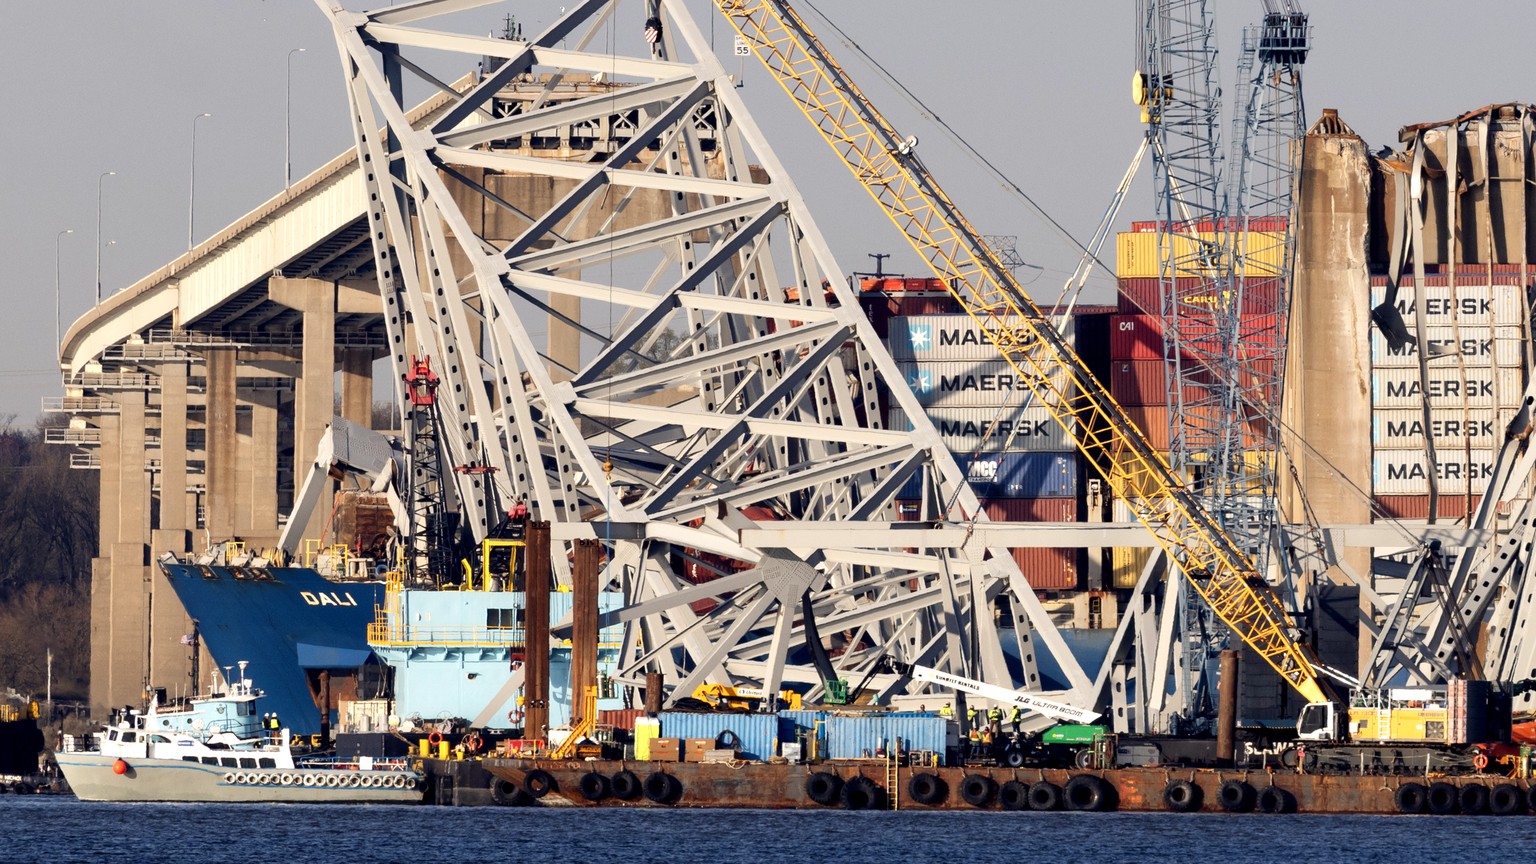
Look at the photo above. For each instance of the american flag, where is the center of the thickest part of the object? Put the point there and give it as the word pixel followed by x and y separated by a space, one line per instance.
pixel 652 30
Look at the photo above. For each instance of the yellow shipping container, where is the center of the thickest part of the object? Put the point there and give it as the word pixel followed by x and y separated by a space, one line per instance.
pixel 1126 564
pixel 1136 254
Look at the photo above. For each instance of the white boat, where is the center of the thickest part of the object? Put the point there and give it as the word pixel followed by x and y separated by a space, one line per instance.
pixel 212 748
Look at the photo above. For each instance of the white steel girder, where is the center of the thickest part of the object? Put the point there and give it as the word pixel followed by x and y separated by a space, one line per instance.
pixel 733 379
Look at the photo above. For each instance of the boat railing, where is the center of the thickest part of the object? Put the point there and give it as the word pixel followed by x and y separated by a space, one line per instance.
pixel 381 632
pixel 353 763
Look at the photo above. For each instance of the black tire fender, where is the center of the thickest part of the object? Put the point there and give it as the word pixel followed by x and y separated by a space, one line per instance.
pixel 824 787
pixel 1182 796
pixel 1506 799
pixel 1273 799
pixel 1235 796
pixel 1442 798
pixel 1473 799
pixel 1044 795
pixel 927 788
pixel 594 786
pixel 538 782
pixel 978 789
pixel 662 788
pixel 1086 792
pixel 1013 796
pixel 626 786
pixel 862 793
pixel 507 794
pixel 1411 798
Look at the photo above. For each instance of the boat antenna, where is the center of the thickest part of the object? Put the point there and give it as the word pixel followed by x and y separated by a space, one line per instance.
pixel 243 664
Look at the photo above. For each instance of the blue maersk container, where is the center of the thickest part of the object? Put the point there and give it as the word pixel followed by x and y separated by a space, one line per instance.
pixel 758 733
pixel 1012 475
pixel 861 736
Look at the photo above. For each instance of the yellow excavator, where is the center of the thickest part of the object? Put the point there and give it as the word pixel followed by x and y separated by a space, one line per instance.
pixel 724 697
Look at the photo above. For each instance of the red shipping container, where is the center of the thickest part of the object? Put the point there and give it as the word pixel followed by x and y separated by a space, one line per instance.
pixel 1031 509
pixel 1263 223
pixel 896 305
pixel 1006 510
pixel 620 718
pixel 1468 270
pixel 1049 569
pixel 1416 507
pixel 1046 569
pixel 1140 296
pixel 1135 337
pixel 1153 421
pixel 1139 382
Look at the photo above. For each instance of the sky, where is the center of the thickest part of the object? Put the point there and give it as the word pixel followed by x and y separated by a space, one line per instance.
pixel 1040 89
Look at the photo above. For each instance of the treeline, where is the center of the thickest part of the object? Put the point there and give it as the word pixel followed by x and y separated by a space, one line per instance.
pixel 49 516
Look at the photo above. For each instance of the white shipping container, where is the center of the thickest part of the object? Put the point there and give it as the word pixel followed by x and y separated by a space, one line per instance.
pixel 944 337
pixel 1486 305
pixel 1449 387
pixel 977 384
pixel 1005 430
pixel 1478 346
pixel 1406 472
pixel 1403 428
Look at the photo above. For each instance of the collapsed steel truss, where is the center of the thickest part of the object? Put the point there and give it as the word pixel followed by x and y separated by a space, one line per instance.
pixel 728 477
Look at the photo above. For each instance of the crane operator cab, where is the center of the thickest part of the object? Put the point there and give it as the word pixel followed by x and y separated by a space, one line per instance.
pixel 1318 722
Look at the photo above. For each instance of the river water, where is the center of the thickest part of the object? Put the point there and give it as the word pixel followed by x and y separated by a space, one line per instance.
pixel 61 829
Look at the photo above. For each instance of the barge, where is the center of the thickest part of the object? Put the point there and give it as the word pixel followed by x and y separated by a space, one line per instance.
pixel 882 784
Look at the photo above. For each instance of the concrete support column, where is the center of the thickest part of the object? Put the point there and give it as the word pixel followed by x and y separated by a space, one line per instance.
pixel 245 456
pixel 101 567
pixel 108 479
pixel 101 633
pixel 262 438
pixel 130 611
pixel 170 662
pixel 223 452
pixel 315 390
pixel 1327 396
pixel 132 469
pixel 357 385
pixel 564 340
pixel 173 449
pixel 119 594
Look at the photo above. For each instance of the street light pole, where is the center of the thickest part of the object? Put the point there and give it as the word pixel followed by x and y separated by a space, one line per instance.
pixel 104 176
pixel 288 119
pixel 192 181
pixel 58 326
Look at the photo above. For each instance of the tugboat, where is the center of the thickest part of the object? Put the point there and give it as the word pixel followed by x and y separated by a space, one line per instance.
pixel 214 748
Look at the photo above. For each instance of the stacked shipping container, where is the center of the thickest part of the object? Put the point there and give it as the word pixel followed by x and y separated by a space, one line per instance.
pixel 1476 333
pixel 1015 456
pixel 1139 371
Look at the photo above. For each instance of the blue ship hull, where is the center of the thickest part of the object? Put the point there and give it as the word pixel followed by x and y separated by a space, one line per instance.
pixel 284 621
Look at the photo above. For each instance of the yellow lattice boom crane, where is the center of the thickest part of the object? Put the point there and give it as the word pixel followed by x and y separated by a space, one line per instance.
pixel 889 169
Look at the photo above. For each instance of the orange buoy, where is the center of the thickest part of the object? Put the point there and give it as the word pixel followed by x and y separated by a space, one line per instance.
pixel 435 737
pixel 119 767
